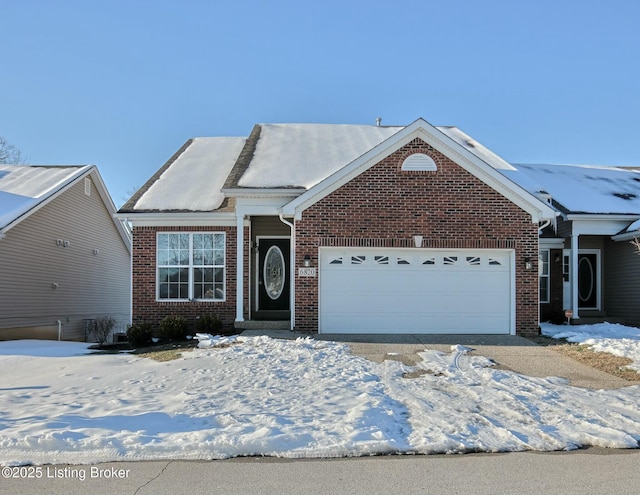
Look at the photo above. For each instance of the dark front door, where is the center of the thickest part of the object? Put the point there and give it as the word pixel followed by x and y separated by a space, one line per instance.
pixel 273 279
pixel 588 280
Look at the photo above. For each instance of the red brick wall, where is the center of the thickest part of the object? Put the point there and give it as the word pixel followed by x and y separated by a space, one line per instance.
pixel 145 306
pixel 449 207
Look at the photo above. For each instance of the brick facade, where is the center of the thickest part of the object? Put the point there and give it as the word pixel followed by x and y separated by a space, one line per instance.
pixel 383 206
pixel 450 207
pixel 147 309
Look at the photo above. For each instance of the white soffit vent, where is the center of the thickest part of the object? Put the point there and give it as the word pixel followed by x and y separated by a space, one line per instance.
pixel 419 162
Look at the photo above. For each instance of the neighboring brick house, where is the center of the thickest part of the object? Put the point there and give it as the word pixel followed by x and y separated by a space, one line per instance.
pixel 339 229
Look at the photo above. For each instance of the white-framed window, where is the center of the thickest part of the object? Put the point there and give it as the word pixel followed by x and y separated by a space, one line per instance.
pixel 543 271
pixel 190 266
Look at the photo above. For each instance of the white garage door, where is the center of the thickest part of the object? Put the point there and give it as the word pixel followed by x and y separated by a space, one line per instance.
pixel 391 290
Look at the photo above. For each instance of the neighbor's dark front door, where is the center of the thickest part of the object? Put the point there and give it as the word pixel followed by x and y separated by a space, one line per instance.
pixel 273 278
pixel 588 281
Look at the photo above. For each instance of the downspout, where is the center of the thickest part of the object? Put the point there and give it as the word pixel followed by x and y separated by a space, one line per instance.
pixel 126 220
pixel 543 226
pixel 59 329
pixel 292 282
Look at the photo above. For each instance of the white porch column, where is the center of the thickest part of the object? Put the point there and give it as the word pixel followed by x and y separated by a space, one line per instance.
pixel 574 275
pixel 239 266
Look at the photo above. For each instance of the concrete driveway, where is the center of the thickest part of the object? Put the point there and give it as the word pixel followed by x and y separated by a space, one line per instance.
pixel 507 351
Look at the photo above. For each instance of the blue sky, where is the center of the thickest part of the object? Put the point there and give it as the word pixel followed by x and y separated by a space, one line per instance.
pixel 123 84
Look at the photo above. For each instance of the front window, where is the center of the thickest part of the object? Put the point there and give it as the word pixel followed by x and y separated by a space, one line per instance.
pixel 544 275
pixel 191 266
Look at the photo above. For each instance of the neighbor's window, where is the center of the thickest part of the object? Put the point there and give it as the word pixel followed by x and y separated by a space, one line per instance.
pixel 191 266
pixel 544 275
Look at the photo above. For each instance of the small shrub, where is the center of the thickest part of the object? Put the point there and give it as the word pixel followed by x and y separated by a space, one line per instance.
pixel 209 323
pixel 139 334
pixel 173 328
pixel 101 328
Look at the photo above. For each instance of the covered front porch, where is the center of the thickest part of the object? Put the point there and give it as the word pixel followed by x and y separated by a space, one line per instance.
pixel 266 274
pixel 587 273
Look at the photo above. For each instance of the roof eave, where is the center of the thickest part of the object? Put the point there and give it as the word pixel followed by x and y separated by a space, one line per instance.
pixel 183 218
pixel 261 192
pixel 603 216
pixel 626 236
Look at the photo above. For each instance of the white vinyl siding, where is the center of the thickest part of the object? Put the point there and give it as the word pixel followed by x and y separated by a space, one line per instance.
pixel 191 266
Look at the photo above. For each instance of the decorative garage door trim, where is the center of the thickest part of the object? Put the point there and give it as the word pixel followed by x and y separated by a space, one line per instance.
pixel 416 290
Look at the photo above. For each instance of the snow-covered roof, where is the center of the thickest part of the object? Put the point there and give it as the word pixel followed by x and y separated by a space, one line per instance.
pixel 292 157
pixel 485 154
pixel 22 187
pixel 634 226
pixel 302 155
pixel 191 181
pixel 582 188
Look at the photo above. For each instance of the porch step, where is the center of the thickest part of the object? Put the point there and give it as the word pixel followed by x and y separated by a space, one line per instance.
pixel 263 325
pixel 592 320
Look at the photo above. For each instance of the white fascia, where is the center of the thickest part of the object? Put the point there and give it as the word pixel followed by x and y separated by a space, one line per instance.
pixel 261 206
pixel 551 243
pixel 610 225
pixel 538 209
pixel 187 219
pixel 626 236
pixel 284 192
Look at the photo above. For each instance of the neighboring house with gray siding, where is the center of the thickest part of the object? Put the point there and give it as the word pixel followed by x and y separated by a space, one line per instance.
pixel 64 259
pixel 599 212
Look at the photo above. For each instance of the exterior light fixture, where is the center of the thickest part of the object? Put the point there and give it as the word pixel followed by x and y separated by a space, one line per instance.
pixel 307 261
pixel 527 264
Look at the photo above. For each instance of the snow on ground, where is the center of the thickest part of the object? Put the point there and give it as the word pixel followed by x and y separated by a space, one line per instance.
pixel 613 338
pixel 302 398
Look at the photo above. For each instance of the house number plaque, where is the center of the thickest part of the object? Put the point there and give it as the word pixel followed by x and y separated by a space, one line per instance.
pixel 306 272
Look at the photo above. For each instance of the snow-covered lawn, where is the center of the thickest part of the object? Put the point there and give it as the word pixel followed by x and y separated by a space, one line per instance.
pixel 303 398
pixel 613 338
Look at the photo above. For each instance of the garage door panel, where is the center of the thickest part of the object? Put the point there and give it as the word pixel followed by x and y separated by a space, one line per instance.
pixel 431 323
pixel 372 302
pixel 470 295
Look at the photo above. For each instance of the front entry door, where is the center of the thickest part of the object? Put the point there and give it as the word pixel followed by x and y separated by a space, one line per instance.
pixel 273 279
pixel 588 279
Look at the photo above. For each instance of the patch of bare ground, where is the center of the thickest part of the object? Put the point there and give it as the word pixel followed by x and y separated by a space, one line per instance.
pixel 165 352
pixel 603 361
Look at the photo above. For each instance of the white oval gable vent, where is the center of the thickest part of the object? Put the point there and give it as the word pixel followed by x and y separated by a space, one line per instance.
pixel 419 161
